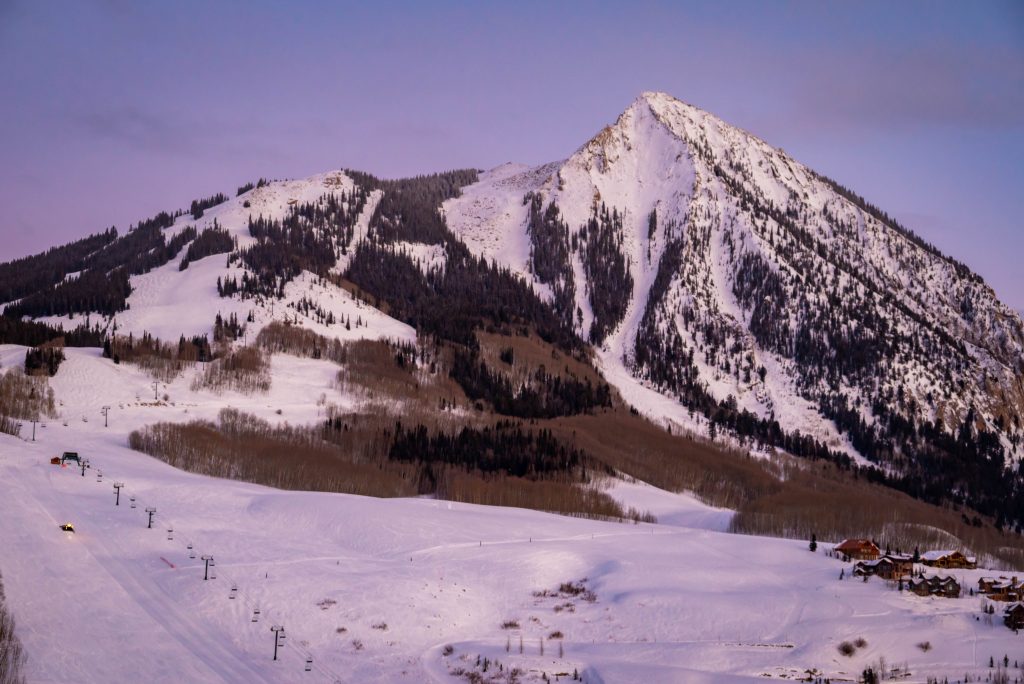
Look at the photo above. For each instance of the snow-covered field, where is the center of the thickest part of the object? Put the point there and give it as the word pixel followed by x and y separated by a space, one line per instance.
pixel 378 590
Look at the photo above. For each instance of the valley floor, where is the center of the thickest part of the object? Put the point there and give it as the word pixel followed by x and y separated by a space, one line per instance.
pixel 374 590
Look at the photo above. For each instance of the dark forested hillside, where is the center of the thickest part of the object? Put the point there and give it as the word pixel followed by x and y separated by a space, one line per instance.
pixel 311 237
pixel 211 241
pixel 31 274
pixel 101 284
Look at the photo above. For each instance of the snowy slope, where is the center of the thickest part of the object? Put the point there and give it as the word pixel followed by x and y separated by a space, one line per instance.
pixel 677 601
pixel 168 303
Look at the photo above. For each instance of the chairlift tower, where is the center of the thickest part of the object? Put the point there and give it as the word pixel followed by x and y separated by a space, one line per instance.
pixel 117 491
pixel 279 637
pixel 206 571
pixel 151 512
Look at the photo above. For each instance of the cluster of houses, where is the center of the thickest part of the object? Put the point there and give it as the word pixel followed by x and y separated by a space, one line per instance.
pixel 867 550
pixel 899 567
pixel 1008 590
pixel 1000 588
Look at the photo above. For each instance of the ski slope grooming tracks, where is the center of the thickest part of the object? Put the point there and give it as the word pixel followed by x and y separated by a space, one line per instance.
pixel 90 622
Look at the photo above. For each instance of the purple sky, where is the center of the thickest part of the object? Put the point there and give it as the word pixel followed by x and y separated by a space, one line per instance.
pixel 112 111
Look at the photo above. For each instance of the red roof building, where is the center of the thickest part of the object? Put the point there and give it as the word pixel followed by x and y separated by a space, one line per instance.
pixel 858 549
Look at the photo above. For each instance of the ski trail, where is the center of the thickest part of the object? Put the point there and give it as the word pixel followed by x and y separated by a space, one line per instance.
pixel 103 548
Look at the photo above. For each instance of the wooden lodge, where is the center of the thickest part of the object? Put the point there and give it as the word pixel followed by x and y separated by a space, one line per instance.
pixel 858 549
pixel 948 559
pixel 945 587
pixel 889 566
pixel 902 564
pixel 1013 616
pixel 1000 589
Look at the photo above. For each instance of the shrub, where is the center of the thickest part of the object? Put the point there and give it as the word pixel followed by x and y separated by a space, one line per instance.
pixel 246 370
pixel 510 624
pixel 847 649
pixel 24 397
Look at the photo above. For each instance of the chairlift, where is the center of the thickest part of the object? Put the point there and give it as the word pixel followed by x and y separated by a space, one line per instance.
pixel 213 573
pixel 132 500
pixel 309 664
pixel 256 615
pixel 170 533
pixel 234 591
pixel 99 476
pixel 191 551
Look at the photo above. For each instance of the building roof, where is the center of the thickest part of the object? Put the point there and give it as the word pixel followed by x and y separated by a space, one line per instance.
pixel 873 563
pixel 856 545
pixel 937 555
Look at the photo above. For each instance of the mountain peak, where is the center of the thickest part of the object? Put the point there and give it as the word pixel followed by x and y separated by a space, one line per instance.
pixel 659 98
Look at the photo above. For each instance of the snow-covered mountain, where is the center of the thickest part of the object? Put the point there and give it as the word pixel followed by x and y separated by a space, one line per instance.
pixel 716 269
pixel 726 289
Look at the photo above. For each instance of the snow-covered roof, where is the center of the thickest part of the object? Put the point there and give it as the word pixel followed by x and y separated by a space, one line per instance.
pixel 936 555
pixel 899 557
pixel 870 563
